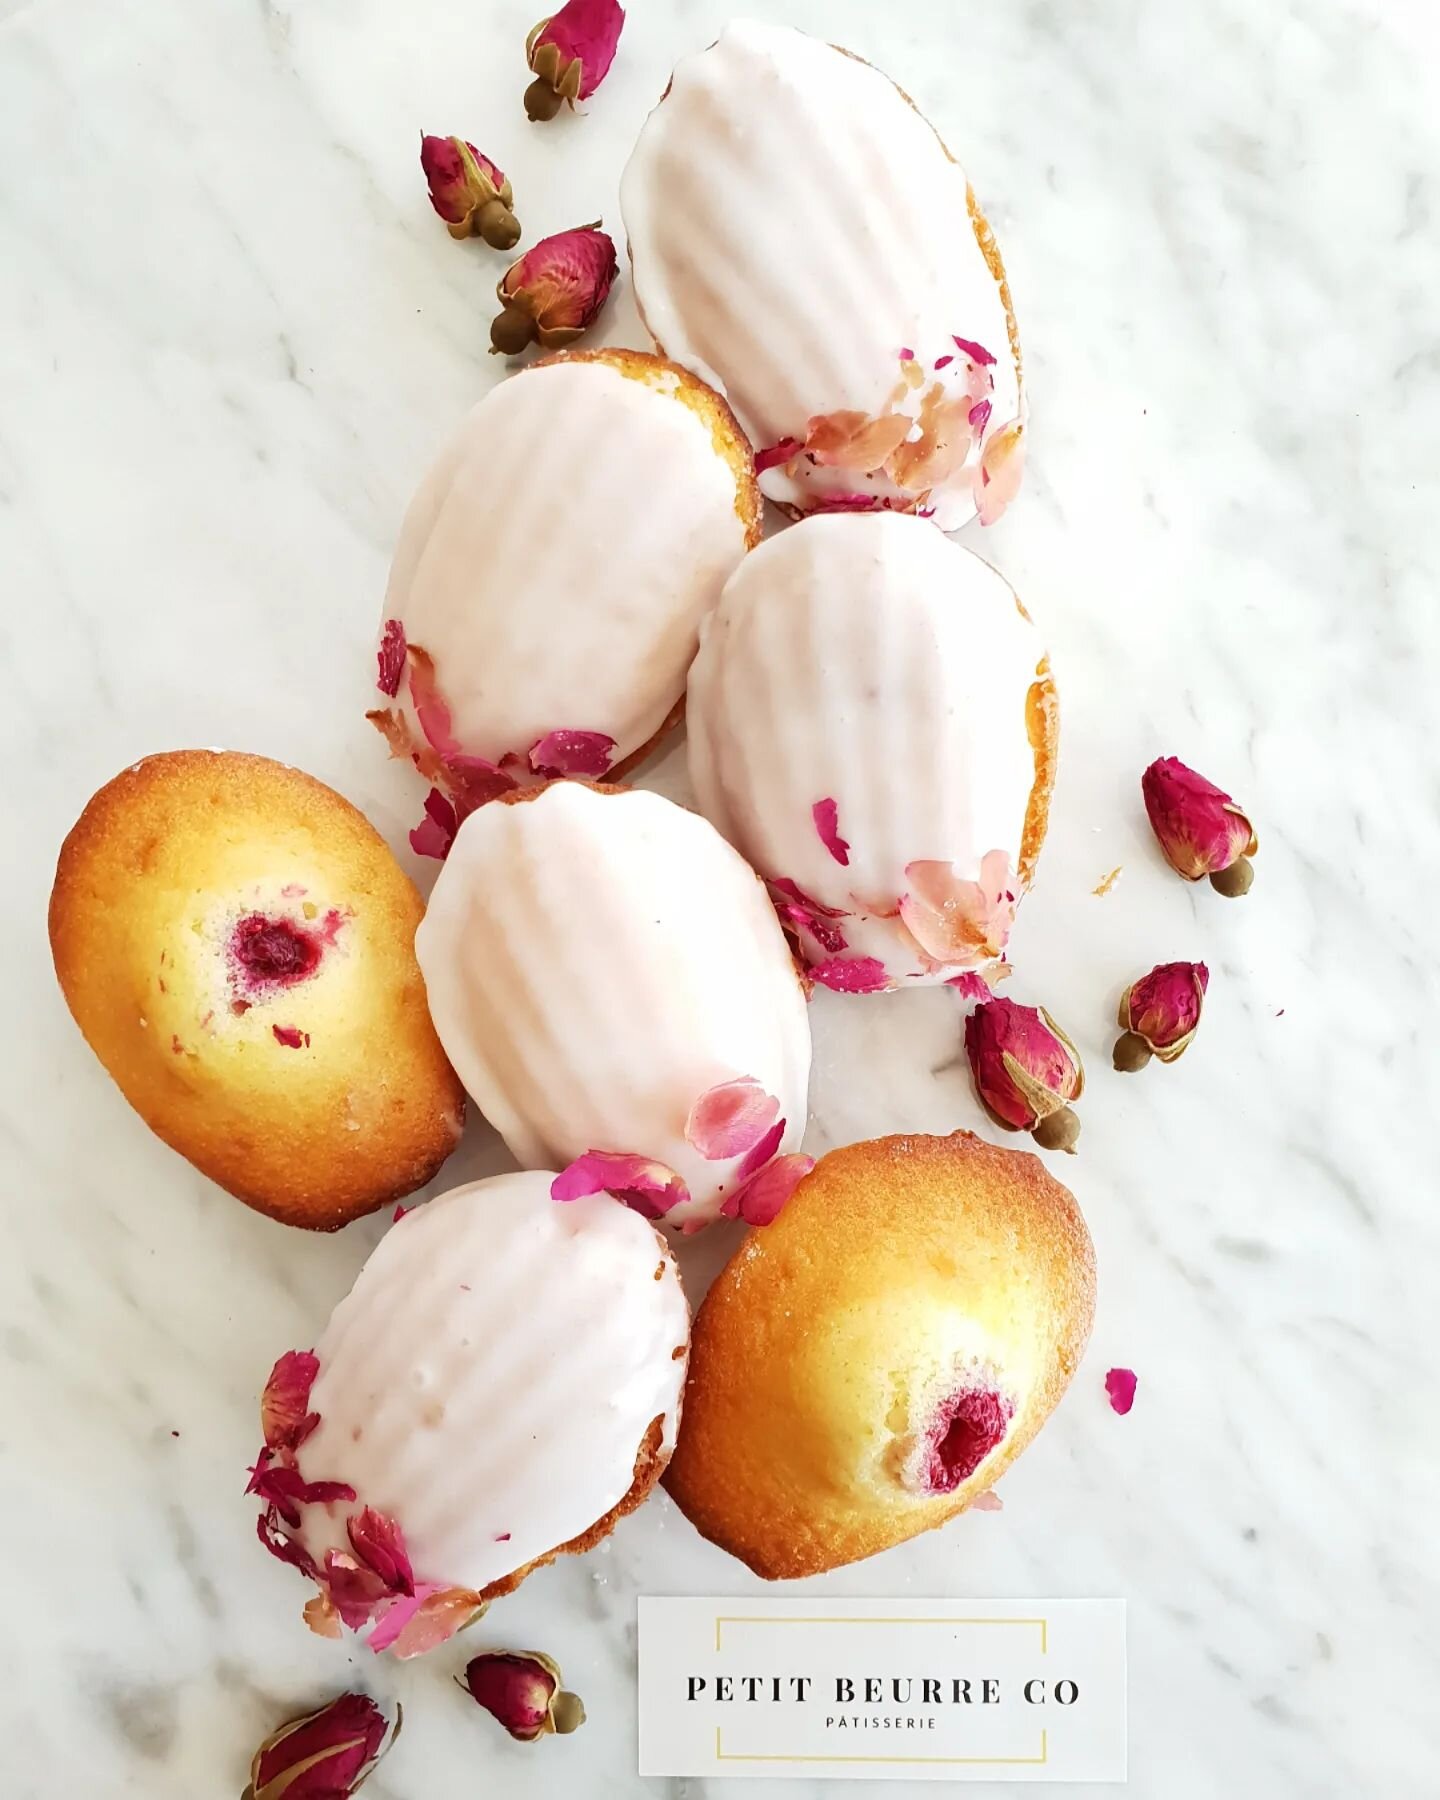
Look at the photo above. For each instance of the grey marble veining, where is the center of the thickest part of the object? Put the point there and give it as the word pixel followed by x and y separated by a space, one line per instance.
pixel 231 334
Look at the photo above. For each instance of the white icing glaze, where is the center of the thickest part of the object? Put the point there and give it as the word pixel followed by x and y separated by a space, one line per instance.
pixel 557 559
pixel 596 962
pixel 868 659
pixel 494 1370
pixel 795 224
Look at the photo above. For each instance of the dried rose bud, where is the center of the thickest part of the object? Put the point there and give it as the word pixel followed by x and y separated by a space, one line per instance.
pixel 571 54
pixel 1201 830
pixel 554 290
pixel 325 1755
pixel 522 1689
pixel 1025 1070
pixel 1159 1014
pixel 470 194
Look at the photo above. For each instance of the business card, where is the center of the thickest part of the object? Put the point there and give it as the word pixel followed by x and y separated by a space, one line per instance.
pixel 908 1690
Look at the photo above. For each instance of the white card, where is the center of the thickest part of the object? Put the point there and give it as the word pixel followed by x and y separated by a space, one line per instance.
pixel 908 1690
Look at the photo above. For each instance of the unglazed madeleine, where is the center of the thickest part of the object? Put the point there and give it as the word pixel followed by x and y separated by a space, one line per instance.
pixel 500 1385
pixel 598 963
pixel 553 569
pixel 802 238
pixel 875 1359
pixel 236 942
pixel 873 726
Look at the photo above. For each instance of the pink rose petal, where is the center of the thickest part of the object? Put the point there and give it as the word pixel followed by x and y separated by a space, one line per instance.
pixel 284 1549
pixel 957 921
pixel 414 1626
pixel 761 1152
pixel 391 658
pixel 585 753
pixel 762 1198
pixel 356 1593
pixel 970 986
pixel 826 814
pixel 907 355
pixel 998 473
pixel 645 1186
pixel 976 352
pixel 285 1417
pixel 320 1615
pixel 775 454
pixel 290 1036
pixel 287 1490
pixel 379 1543
pixel 802 913
pixel 979 417
pixel 1120 1385
pixel 943 362
pixel 852 974
pixel 730 1119
pixel 435 833
pixel 989 1501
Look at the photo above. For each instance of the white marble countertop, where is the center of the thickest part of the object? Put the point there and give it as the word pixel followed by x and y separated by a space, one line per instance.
pixel 231 334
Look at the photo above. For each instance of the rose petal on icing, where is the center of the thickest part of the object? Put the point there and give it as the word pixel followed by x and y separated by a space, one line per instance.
pixel 976 352
pixel 907 355
pixel 941 445
pixel 432 1617
pixel 644 1185
pixel 826 814
pixel 775 454
pixel 393 729
pixel 429 704
pixel 798 910
pixel 586 753
pixel 854 440
pixel 391 658
pixel 851 974
pixel 290 1036
pixel 970 986
pixel 957 921
pixel 380 1544
pixel 943 362
pixel 999 471
pixel 285 1416
pixel 979 417
pixel 762 1198
pixel 731 1119
pixel 1120 1385
pixel 435 833
pixel 287 1490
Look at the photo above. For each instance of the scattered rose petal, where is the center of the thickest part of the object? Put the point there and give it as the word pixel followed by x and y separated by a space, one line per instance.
pixel 585 753
pixel 979 417
pixel 645 1186
pixel 761 1151
pixel 855 441
pixel 775 454
pixel 284 1549
pixel 976 352
pixel 400 1213
pixel 285 1417
pixel 731 1119
pixel 957 921
pixel 435 833
pixel 907 355
pixel 798 910
pixel 999 470
pixel 430 705
pixel 1120 1385
pixel 320 1615
pixel 970 986
pixel 943 362
pixel 826 814
pixel 379 1542
pixel 761 1199
pixel 287 1490
pixel 356 1592
pixel 290 1036
pixel 424 1621
pixel 989 1501
pixel 391 658
pixel 852 974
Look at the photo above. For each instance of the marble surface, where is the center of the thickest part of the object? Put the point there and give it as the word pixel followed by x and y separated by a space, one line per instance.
pixel 231 334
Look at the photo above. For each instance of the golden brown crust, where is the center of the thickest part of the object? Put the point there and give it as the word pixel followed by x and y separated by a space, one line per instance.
pixel 819 1353
pixel 364 1107
pixel 1042 725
